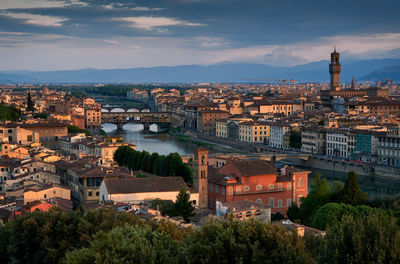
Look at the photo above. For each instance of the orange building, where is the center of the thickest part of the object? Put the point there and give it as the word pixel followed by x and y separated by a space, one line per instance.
pixel 257 181
pixel 31 207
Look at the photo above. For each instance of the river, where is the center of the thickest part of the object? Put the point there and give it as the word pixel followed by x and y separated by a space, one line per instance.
pixel 163 143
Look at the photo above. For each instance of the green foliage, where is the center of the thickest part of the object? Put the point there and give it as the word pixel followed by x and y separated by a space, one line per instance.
pixel 370 239
pixel 103 133
pixel 166 207
pixel 41 115
pixel 277 216
pixel 128 244
pixel 30 105
pixel 321 123
pixel 352 193
pixel 331 214
pixel 161 165
pixel 9 113
pixel 105 236
pixel 74 129
pixel 293 212
pixel 295 139
pixel 183 206
pixel 318 196
pixel 244 242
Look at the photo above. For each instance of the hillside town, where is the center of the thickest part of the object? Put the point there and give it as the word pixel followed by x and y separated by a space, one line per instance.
pixel 55 153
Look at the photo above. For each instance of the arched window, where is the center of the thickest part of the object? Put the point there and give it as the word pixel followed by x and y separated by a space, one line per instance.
pixel 300 182
pixel 202 160
pixel 259 201
pixel 271 202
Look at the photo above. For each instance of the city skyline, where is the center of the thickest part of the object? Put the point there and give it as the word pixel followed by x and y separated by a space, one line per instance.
pixel 55 35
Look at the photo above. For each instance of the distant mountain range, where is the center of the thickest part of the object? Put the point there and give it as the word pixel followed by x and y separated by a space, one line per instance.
pixel 361 70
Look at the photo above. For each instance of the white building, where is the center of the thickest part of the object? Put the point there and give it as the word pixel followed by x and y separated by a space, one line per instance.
pixel 276 134
pixel 337 143
pixel 135 190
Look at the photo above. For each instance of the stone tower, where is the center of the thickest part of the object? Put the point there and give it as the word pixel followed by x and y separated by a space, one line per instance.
pixel 200 175
pixel 353 84
pixel 334 69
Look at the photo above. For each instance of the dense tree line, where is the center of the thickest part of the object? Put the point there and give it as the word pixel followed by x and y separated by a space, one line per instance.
pixel 105 236
pixel 170 165
pixel 324 206
pixel 9 113
pixel 75 129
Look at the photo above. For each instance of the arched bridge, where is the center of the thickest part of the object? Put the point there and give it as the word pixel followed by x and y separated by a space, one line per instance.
pixel 145 118
pixel 267 157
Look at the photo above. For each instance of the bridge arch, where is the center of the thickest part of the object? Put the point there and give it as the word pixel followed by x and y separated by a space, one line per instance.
pixel 145 110
pixel 117 110
pixel 132 110
pixel 103 110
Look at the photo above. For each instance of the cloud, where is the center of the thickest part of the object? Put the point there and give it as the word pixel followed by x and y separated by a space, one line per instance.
pixel 27 4
pixel 150 22
pixel 114 42
pixel 39 20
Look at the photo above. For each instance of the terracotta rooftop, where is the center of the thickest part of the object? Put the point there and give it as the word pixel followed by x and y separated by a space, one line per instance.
pixel 142 185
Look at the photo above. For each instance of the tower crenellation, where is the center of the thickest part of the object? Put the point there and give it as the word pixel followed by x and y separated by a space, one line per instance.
pixel 334 69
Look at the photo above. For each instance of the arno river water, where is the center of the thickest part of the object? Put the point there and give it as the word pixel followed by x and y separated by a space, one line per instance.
pixel 163 143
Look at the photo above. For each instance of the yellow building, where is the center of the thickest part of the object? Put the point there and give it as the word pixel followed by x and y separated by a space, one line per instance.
pixel 47 192
pixel 221 128
pixel 254 132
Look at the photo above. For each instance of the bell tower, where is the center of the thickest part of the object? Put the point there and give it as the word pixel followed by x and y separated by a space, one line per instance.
pixel 200 175
pixel 334 69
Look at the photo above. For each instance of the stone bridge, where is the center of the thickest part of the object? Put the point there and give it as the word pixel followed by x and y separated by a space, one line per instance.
pixel 267 157
pixel 145 118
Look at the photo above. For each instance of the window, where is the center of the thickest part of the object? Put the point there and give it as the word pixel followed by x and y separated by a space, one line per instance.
pixel 288 202
pixel 248 213
pixel 90 194
pixel 223 190
pixel 289 186
pixel 271 186
pixel 45 196
pixel 258 212
pixel 211 187
pixel 300 182
pixel 54 192
pixel 97 193
pixel 216 188
pixel 280 186
pixel 271 202
pixel 211 202
pixel 279 203
pixel 259 201
pixel 246 188
pixel 238 189
pixel 259 187
pixel 230 190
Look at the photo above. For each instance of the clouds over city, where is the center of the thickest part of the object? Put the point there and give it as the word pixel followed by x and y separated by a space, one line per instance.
pixel 74 34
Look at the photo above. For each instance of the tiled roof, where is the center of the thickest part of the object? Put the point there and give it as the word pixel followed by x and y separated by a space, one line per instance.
pixel 142 185
pixel 253 167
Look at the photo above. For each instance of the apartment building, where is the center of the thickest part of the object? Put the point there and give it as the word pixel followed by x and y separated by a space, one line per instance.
pixel 313 140
pixel 254 132
pixel 277 131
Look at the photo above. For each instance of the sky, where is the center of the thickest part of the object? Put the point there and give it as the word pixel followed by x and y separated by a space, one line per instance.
pixel 74 34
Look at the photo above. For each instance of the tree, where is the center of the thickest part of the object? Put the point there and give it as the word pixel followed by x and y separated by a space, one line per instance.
pixel 30 104
pixel 295 139
pixel 293 212
pixel 318 196
pixel 368 239
pixel 234 241
pixel 183 206
pixel 352 193
pixel 331 214
pixel 128 244
pixel 75 129
pixel 153 157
